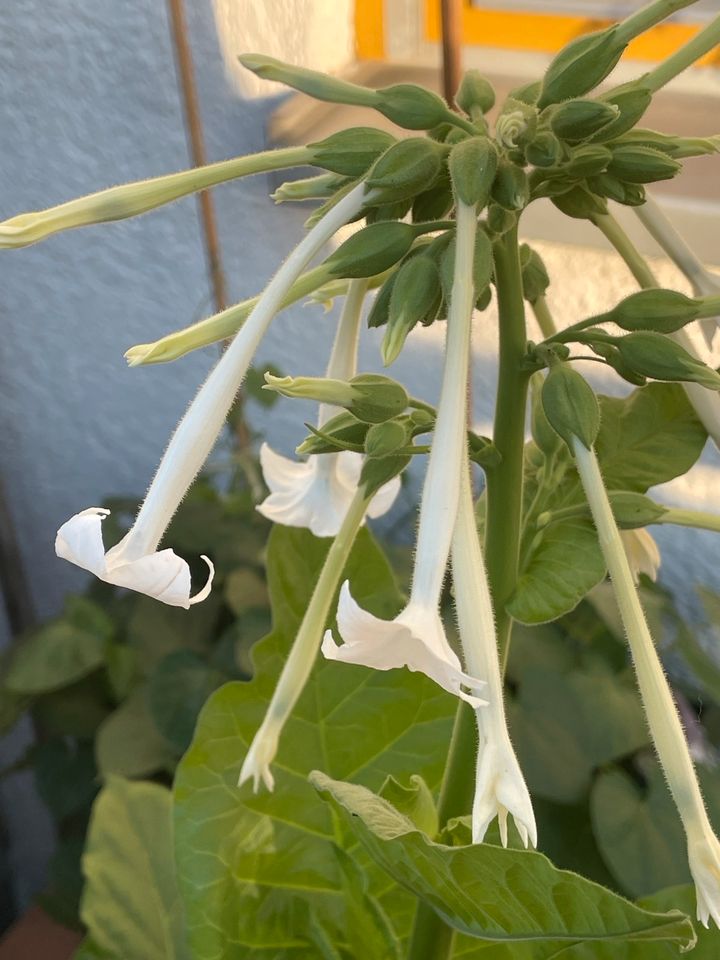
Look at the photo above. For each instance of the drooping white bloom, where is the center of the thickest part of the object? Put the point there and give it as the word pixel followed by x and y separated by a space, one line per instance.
pixel 500 787
pixel 297 667
pixel 136 562
pixel 416 638
pixel 317 494
pixel 662 715
pixel 642 553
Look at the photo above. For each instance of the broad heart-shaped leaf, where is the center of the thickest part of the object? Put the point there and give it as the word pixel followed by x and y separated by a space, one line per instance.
pixel 648 438
pixel 178 687
pixel 565 565
pixel 131 905
pixel 129 744
pixel 638 829
pixel 57 655
pixel 262 874
pixel 494 894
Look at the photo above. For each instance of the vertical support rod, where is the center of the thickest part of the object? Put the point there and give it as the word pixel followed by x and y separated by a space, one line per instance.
pixel 451 19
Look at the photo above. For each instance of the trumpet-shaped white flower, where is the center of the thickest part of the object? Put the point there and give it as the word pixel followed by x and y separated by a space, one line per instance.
pixel 297 667
pixel 136 562
pixel 704 283
pixel 642 553
pixel 500 787
pixel 416 638
pixel 318 493
pixel 662 715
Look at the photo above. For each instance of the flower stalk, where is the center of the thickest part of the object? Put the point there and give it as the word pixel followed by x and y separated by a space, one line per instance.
pixel 662 715
pixel 299 664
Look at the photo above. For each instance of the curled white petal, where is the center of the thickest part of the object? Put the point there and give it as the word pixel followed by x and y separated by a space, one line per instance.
pixel 162 575
pixel 704 860
pixel 414 639
pixel 642 553
pixel 317 494
pixel 500 790
pixel 256 766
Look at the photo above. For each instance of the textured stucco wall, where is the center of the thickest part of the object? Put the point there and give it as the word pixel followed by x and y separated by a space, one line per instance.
pixel 89 99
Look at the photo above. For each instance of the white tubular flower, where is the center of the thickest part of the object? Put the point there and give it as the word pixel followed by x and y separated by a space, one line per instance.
pixel 642 553
pixel 663 719
pixel 415 638
pixel 317 494
pixel 297 667
pixel 704 283
pixel 135 562
pixel 500 787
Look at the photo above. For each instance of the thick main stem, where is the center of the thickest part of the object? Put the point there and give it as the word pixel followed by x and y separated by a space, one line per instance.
pixel 505 481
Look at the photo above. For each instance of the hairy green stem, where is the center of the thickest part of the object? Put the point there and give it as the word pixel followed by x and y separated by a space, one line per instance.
pixel 505 481
pixel 648 16
pixel 544 317
pixel 685 57
pixel 700 519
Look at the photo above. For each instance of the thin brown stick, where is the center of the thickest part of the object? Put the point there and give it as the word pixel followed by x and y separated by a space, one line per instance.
pixel 451 19
pixel 186 80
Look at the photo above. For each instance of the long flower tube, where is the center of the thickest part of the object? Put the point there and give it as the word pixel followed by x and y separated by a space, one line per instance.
pixel 704 283
pixel 318 493
pixel 500 787
pixel 662 715
pixel 299 663
pixel 135 562
pixel 416 637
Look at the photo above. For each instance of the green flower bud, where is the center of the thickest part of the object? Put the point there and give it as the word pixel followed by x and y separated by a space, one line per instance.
pixel 414 295
pixel 499 220
pixel 637 164
pixel 527 92
pixel 545 150
pixel 570 405
pixel 370 397
pixel 611 356
pixel 351 152
pixel 405 170
pixel 577 120
pixel 387 211
pixel 411 107
pixel 632 100
pixel 311 82
pixel 510 188
pixel 472 166
pixel 606 186
pixel 340 432
pixel 580 66
pixel 663 311
pixel 543 434
pixel 482 451
pixel 436 203
pixel 656 356
pixel 535 279
pixel 380 310
pixel 580 204
pixel 371 250
pixel 482 302
pixel 482 265
pixel 475 91
pixel 587 161
pixel 311 188
pixel 384 439
pixel 633 510
pixel 377 471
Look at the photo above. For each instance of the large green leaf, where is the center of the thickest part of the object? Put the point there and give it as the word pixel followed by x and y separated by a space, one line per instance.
pixel 131 905
pixel 178 688
pixel 129 744
pixel 494 894
pixel 54 656
pixel 649 437
pixel 261 875
pixel 638 829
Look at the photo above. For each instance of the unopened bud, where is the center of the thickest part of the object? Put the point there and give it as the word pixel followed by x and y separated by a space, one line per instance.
pixel 341 431
pixel 384 439
pixel 411 106
pixel 311 82
pixel 472 165
pixel 637 164
pixel 580 66
pixel 415 294
pixel 435 203
pixel 351 152
pixel 371 250
pixel 377 471
pixel 370 397
pixel 631 100
pixel 587 161
pixel 499 220
pixel 656 356
pixel 510 188
pixel 577 120
pixel 663 311
pixel 527 92
pixel 545 150
pixel 380 310
pixel 475 92
pixel 570 405
pixel 311 188
pixel 580 204
pixel 535 279
pixel 633 510
pixel 406 169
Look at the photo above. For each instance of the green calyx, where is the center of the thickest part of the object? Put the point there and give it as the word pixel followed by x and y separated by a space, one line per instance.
pixel 570 405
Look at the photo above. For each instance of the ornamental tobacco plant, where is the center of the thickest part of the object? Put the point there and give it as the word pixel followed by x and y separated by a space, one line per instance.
pixel 368 829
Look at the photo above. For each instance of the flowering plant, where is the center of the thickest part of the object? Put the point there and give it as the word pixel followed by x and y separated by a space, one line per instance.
pixel 326 808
